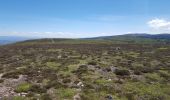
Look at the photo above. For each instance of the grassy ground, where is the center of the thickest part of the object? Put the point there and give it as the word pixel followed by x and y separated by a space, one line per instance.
pixel 59 71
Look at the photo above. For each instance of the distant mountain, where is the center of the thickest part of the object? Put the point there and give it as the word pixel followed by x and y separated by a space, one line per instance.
pixel 126 38
pixel 11 39
pixel 157 36
pixel 135 38
pixel 137 35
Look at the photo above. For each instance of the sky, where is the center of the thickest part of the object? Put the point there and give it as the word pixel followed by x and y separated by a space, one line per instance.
pixel 83 18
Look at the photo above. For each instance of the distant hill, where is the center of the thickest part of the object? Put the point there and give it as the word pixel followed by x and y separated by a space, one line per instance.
pixel 157 36
pixel 11 39
pixel 126 38
pixel 137 35
pixel 135 38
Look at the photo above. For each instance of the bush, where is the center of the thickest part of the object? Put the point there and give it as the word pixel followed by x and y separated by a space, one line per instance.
pixel 137 72
pixel 66 80
pixel 25 87
pixel 37 89
pixel 92 63
pixel 54 83
pixel 147 70
pixel 81 69
pixel 122 72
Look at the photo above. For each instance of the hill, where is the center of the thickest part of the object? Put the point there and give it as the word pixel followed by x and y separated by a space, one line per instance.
pixel 137 35
pixel 118 39
pixel 127 38
pixel 136 38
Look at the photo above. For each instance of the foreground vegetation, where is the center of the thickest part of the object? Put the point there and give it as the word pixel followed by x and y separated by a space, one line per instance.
pixel 50 70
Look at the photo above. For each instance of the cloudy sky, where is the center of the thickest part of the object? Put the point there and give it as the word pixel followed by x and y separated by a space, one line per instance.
pixel 83 18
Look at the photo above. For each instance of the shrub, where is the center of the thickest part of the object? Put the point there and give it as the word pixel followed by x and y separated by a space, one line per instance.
pixel 122 72
pixel 137 72
pixel 66 80
pixel 54 83
pixel 147 70
pixel 37 89
pixel 81 69
pixel 92 63
pixel 25 87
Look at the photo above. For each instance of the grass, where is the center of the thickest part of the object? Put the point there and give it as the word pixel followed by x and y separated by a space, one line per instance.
pixel 149 91
pixel 24 87
pixel 19 98
pixel 102 81
pixel 53 65
pixel 65 93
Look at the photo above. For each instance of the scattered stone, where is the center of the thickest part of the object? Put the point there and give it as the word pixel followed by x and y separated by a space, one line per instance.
pixel 15 82
pixel 59 57
pixel 106 69
pixel 109 97
pixel 80 84
pixel 6 91
pixel 137 77
pixel 1 75
pixel 77 97
pixel 113 68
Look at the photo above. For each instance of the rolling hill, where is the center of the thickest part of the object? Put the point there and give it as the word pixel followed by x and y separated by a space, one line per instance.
pixel 135 38
pixel 127 38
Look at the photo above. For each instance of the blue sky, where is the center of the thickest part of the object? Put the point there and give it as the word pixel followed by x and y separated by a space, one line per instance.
pixel 83 18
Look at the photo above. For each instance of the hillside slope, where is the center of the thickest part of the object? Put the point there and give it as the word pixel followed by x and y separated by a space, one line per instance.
pixel 60 69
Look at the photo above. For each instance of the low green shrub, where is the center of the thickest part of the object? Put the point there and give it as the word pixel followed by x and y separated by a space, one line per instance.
pixel 122 72
pixel 25 87
pixel 92 63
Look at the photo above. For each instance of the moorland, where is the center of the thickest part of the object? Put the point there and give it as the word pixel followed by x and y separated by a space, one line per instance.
pixel 122 68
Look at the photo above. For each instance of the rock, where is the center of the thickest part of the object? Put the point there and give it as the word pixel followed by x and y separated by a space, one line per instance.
pixel 137 78
pixel 80 84
pixel 1 75
pixel 59 57
pixel 120 81
pixel 117 48
pixel 23 94
pixel 109 97
pixel 91 67
pixel 77 97
pixel 106 69
pixel 113 68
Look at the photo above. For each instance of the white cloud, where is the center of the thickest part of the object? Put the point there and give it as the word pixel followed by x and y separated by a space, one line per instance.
pixel 47 34
pixel 59 34
pixel 159 24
